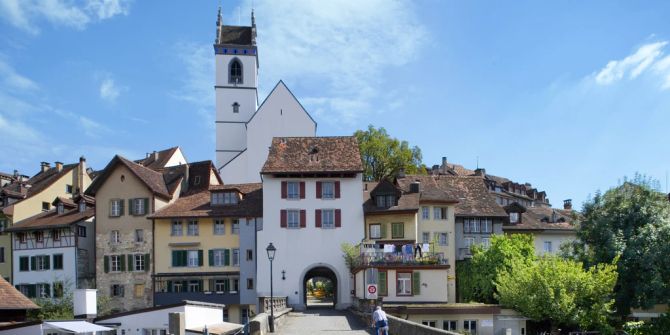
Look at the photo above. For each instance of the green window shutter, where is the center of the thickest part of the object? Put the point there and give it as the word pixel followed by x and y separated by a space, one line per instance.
pixel 33 263
pixel 416 283
pixel 382 230
pixel 381 280
pixel 106 261
pixel 47 261
pixel 202 287
pixel 184 258
pixel 210 257
pixel 175 259
pixel 169 284
pixel 200 257
pixel 146 206
pixel 226 285
pixel 131 263
pixel 131 206
pixel 226 257
pixel 122 261
pixel 147 263
pixel 121 203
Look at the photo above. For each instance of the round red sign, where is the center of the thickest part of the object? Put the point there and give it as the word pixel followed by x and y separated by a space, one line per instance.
pixel 372 289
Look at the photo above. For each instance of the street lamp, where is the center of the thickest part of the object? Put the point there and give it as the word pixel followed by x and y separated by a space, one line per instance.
pixel 271 256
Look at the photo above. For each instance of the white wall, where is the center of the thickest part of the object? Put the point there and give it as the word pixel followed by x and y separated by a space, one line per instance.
pixel 197 316
pixel 159 319
pixel 68 275
pixel 299 250
pixel 433 288
pixel 28 330
pixel 556 239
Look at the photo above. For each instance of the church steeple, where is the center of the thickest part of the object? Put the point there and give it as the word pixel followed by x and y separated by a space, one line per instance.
pixel 219 25
pixel 253 27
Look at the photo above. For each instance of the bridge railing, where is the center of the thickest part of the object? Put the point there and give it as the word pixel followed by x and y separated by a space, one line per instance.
pixel 278 303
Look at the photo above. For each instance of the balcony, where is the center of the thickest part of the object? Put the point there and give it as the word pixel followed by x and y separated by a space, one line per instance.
pixel 383 259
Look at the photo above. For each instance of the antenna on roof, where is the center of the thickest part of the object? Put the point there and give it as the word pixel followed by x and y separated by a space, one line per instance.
pixel 477 162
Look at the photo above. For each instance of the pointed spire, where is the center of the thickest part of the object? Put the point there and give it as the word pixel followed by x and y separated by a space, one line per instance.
pixel 253 26
pixel 219 24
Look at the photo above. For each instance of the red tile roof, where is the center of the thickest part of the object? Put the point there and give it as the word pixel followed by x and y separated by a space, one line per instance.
pixel 199 204
pixel 11 298
pixel 51 219
pixel 313 155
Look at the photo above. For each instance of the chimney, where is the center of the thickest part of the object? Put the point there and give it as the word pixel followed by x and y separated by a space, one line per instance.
pixel 16 174
pixel 59 166
pixel 401 173
pixel 81 169
pixel 177 324
pixel 415 187
pixel 480 172
pixel 44 166
pixel 567 204
pixel 85 303
pixel 444 165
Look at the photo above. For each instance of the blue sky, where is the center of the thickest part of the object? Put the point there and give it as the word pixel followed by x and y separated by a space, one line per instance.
pixel 570 96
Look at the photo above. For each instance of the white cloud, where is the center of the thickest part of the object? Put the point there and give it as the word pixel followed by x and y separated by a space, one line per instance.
pixel 25 14
pixel 634 65
pixel 109 91
pixel 12 80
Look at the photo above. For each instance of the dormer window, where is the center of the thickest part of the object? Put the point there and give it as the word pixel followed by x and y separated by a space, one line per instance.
pixel 61 208
pixel 385 201
pixel 235 71
pixel 82 206
pixel 236 107
pixel 514 217
pixel 225 198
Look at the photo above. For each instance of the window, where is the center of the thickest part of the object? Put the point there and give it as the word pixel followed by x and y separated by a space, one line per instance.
pixel 328 190
pixel 425 212
pixel 58 261
pixel 235 76
pixel 139 290
pixel 449 325
pixel 139 262
pixel 397 230
pixel 45 206
pixel 470 326
pixel 293 188
pixel 139 206
pixel 60 208
pixel 513 217
pixel 41 263
pixel 194 286
pixel 139 235
pixel 116 290
pixel 236 107
pixel 39 236
pixel 178 287
pixel 236 257
pixel 116 207
pixel 250 284
pixel 235 230
pixel 547 246
pixel 385 201
pixel 250 255
pixel 219 257
pixel 222 285
pixel 293 218
pixel 327 218
pixel 68 189
pixel 487 226
pixel 192 228
pixel 236 285
pixel 442 239
pixel 375 231
pixel 81 231
pixel 469 241
pixel 176 228
pixel 24 263
pixel 219 227
pixel 43 290
pixel 474 225
pixel 425 237
pixel 55 234
pixel 403 283
pixel 2 254
pixel 115 237
pixel 21 237
pixel 486 242
pixel 115 262
pixel 3 223
pixel 429 323
pixel 193 259
pixel 439 213
pixel 196 180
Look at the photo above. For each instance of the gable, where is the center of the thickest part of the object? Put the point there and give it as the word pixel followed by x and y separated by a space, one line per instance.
pixel 283 104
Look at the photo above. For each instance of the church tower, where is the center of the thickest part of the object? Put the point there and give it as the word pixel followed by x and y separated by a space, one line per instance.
pixel 236 87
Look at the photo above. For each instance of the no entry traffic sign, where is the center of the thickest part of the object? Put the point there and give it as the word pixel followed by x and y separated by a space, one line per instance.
pixel 372 291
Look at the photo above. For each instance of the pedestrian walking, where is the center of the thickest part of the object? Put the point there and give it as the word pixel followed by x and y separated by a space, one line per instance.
pixel 381 322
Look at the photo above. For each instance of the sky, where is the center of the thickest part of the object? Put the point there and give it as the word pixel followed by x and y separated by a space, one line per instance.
pixel 570 96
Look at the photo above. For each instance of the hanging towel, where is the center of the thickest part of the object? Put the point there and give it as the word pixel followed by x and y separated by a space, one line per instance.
pixel 389 248
pixel 425 247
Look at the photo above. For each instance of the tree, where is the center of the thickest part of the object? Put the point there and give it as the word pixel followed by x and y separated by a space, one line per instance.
pixel 383 156
pixel 476 279
pixel 631 222
pixel 560 291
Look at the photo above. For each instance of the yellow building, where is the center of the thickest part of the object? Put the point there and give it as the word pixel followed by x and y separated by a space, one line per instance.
pixel 22 199
pixel 204 249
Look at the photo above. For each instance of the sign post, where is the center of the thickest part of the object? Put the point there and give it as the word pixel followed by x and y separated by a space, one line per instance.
pixel 371 291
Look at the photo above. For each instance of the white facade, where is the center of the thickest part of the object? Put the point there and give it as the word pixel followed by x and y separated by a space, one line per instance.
pixel 67 275
pixel 195 315
pixel 300 250
pixel 549 242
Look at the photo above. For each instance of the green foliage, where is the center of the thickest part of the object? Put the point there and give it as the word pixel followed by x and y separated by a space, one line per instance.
pixel 631 222
pixel 476 278
pixel 351 255
pixel 104 305
pixel 383 156
pixel 560 291
pixel 53 308
pixel 659 326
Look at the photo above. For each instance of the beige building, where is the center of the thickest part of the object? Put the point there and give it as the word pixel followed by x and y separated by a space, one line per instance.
pixel 21 199
pixel 551 227
pixel 126 192
pixel 198 254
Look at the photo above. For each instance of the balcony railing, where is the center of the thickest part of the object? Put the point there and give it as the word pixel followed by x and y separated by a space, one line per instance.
pixel 380 258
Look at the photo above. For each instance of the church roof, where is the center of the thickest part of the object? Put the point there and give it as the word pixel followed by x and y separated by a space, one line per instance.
pixel 236 35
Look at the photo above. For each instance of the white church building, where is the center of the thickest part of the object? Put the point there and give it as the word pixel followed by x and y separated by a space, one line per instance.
pixel 244 130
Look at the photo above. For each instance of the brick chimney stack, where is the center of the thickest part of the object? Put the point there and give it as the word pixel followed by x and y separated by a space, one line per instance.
pixel 45 166
pixel 567 204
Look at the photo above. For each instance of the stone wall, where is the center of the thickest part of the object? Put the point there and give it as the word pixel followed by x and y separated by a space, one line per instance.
pixel 260 325
pixel 399 326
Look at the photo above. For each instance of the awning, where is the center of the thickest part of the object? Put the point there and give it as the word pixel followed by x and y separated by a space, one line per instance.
pixel 76 327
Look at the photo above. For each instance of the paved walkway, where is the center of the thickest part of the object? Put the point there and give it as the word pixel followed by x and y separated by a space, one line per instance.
pixel 322 321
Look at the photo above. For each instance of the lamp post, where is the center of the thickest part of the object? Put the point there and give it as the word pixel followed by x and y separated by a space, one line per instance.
pixel 271 256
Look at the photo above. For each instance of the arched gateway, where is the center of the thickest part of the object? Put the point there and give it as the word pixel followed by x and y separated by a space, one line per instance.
pixel 320 287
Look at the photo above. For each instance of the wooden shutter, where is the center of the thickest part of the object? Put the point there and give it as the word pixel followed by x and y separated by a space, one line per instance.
pixel 33 263
pixel 416 283
pixel 317 218
pixel 122 261
pixel 382 230
pixel 302 190
pixel 184 257
pixel 201 257
pixel 318 190
pixel 381 280
pixel 338 218
pixel 210 256
pixel 121 203
pixel 110 207
pixel 131 206
pixel 284 189
pixel 175 258
pixel 147 262
pixel 337 190
pixel 131 263
pixel 303 218
pixel 284 217
pixel 226 257
pixel 146 206
pixel 106 262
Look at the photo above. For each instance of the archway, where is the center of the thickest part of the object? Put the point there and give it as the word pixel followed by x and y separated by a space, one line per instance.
pixel 319 288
